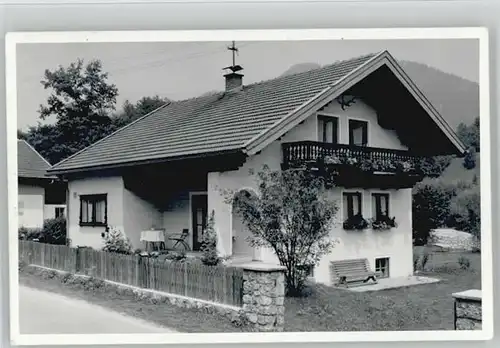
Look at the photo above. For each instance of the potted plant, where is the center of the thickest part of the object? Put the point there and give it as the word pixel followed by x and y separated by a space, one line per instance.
pixel 405 166
pixel 384 222
pixel 355 222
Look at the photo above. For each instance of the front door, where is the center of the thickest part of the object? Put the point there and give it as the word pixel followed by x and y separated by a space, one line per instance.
pixel 199 209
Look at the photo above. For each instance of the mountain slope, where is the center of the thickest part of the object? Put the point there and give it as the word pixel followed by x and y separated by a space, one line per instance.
pixel 456 98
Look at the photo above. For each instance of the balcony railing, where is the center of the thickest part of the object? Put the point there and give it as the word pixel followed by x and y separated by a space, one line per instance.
pixel 366 158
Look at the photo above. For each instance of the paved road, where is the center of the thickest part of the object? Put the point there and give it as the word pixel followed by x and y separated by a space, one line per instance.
pixel 41 312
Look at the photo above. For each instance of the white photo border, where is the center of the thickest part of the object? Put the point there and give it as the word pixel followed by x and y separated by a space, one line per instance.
pixel 480 33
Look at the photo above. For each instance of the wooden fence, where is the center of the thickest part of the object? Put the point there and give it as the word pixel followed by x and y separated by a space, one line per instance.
pixel 219 284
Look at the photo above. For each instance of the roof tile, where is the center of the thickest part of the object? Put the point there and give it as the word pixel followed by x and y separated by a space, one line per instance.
pixel 30 164
pixel 218 122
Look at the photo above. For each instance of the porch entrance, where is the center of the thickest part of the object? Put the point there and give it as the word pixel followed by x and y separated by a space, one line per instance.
pixel 199 211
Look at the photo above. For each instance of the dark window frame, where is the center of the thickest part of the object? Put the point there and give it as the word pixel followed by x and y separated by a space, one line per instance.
pixel 335 130
pixel 93 200
pixel 364 125
pixel 350 203
pixel 384 265
pixel 61 210
pixel 378 204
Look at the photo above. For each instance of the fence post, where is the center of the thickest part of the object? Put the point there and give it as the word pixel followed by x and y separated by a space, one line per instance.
pixel 77 260
pixel 468 310
pixel 138 270
pixel 264 295
pixel 185 279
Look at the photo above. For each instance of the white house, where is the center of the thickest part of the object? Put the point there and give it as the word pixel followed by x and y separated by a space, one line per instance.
pixel 169 169
pixel 40 196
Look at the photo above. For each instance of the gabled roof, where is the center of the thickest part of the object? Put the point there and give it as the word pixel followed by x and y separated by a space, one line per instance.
pixel 246 120
pixel 30 164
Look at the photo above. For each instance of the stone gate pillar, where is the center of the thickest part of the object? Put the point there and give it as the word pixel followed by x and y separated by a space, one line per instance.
pixel 264 295
pixel 468 310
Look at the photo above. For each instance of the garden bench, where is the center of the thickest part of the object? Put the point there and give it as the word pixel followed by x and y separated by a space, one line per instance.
pixel 353 272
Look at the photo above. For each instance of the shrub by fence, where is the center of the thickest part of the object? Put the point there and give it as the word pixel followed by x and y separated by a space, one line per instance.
pixel 219 284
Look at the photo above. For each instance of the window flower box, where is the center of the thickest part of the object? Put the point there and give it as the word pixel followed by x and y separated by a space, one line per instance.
pixel 355 222
pixel 384 223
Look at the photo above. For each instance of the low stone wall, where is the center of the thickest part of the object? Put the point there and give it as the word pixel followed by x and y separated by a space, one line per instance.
pixel 264 296
pixel 468 310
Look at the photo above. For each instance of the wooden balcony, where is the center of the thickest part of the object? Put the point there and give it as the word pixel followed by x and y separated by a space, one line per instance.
pixel 355 164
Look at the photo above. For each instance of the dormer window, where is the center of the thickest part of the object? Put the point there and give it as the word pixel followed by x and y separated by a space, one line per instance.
pixel 358 133
pixel 328 129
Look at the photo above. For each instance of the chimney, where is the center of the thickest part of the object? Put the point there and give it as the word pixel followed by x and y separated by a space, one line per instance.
pixel 234 81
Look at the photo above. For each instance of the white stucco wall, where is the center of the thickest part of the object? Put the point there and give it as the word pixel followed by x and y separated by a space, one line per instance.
pixel 30 206
pixel 139 215
pixel 91 236
pixel 395 243
pixel 377 136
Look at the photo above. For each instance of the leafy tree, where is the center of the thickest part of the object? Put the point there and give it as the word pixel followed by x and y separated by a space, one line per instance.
pixel 470 159
pixel 292 215
pixel 81 101
pixel 431 208
pixel 466 211
pixel 45 139
pixel 469 134
pixel 433 167
pixel 78 91
pixel 143 106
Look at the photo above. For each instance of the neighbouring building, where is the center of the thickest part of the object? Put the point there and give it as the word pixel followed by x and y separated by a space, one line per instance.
pixel 40 196
pixel 363 117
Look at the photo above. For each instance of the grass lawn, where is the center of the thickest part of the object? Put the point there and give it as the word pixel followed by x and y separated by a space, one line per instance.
pixel 421 307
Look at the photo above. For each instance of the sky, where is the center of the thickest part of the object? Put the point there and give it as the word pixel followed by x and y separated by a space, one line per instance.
pixel 185 70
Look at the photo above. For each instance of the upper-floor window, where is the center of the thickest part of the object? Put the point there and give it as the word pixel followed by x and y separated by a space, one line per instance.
pixel 328 129
pixel 380 204
pixel 358 133
pixel 352 204
pixel 93 210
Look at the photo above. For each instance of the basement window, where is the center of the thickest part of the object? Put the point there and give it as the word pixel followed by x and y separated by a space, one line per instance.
pixel 93 210
pixel 382 267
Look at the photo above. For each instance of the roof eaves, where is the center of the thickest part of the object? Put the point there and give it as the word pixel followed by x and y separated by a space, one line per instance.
pixel 54 167
pixel 274 132
pixel 117 165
